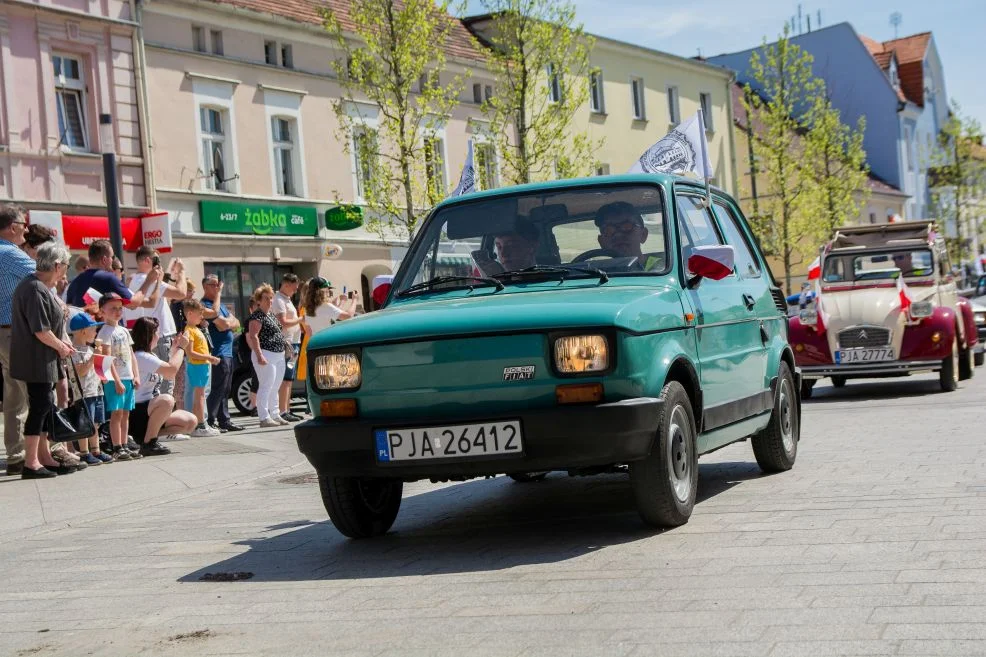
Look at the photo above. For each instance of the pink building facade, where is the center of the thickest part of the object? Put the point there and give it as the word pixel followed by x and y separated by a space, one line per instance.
pixel 63 63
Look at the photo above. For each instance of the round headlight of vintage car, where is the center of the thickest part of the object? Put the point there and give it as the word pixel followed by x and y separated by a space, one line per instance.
pixel 808 317
pixel 922 309
pixel 337 371
pixel 578 354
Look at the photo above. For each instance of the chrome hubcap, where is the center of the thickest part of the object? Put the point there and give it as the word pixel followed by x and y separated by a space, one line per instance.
pixel 678 456
pixel 787 416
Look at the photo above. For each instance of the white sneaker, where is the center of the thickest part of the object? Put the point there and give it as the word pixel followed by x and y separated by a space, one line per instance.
pixel 281 420
pixel 175 436
pixel 204 432
pixel 270 423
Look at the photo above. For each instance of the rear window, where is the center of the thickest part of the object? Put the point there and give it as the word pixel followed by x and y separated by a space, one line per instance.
pixel 878 265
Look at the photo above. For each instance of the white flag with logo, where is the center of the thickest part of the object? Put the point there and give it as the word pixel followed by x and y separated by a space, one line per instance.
pixel 467 180
pixel 684 149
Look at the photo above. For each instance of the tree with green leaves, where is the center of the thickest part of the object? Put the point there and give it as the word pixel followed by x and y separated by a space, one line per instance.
pixel 539 57
pixel 959 181
pixel 834 152
pixel 781 102
pixel 393 67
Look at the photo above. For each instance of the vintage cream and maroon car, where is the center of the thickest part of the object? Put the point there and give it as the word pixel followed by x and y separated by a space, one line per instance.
pixel 886 305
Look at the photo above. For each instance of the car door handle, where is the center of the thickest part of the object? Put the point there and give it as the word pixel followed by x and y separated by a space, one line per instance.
pixel 749 301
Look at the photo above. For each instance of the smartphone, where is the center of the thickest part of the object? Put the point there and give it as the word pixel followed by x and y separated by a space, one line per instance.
pixel 350 294
pixel 156 261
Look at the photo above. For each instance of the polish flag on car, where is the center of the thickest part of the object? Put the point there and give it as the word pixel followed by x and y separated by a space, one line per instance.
pixel 815 269
pixel 104 367
pixel 905 294
pixel 712 262
pixel 91 297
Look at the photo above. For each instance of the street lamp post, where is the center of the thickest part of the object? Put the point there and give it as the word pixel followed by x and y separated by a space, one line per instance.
pixel 106 143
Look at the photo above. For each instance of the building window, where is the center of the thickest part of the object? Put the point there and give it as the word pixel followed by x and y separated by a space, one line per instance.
pixel 596 103
pixel 487 92
pixel 486 166
pixel 365 155
pixel 637 98
pixel 706 102
pixel 283 136
pixel 477 93
pixel 674 110
pixel 554 84
pixel 435 168
pixel 213 123
pixel 70 97
pixel 287 56
pixel 894 79
pixel 217 41
pixel 198 38
pixel 602 170
pixel 270 52
pixel 873 217
pixel 909 148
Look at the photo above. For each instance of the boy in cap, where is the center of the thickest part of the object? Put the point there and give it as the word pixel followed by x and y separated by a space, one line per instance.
pixel 119 393
pixel 83 329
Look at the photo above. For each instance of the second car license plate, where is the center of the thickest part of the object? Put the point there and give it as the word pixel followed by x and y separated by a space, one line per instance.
pixel 847 356
pixel 462 440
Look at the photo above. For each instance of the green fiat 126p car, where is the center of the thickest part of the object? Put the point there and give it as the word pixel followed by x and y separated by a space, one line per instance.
pixel 586 326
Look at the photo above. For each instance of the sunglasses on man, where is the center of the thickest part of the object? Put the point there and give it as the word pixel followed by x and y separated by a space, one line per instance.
pixel 609 229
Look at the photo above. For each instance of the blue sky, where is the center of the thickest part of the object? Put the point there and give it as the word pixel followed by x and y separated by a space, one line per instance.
pixel 718 26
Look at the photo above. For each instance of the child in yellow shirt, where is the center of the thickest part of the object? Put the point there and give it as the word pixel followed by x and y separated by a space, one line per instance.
pixel 199 362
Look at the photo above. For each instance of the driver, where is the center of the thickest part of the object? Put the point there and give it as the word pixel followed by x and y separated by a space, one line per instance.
pixel 622 232
pixel 903 262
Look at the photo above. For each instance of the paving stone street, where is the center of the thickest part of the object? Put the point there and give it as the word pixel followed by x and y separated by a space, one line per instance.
pixel 875 544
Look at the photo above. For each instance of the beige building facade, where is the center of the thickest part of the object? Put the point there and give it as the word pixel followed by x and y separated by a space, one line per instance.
pixel 638 95
pixel 247 149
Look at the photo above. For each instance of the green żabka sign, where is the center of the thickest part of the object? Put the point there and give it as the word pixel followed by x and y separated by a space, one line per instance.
pixel 258 218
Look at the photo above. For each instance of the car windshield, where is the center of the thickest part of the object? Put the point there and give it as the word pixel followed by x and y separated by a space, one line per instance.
pixel 596 231
pixel 878 265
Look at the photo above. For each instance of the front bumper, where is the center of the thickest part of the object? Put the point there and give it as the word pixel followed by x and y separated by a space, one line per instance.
pixel 554 438
pixel 888 368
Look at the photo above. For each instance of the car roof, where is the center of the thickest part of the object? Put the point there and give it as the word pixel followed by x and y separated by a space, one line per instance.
pixel 568 183
pixel 883 236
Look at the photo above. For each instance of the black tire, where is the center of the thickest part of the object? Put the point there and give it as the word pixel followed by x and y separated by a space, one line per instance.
pixel 967 368
pixel 838 381
pixel 807 385
pixel 665 484
pixel 361 508
pixel 776 447
pixel 979 358
pixel 528 477
pixel 243 384
pixel 948 377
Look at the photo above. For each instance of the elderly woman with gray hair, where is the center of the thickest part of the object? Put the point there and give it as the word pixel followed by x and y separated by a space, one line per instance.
pixel 37 348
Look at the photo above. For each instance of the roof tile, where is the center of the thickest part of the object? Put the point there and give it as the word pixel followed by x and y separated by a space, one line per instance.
pixel 910 51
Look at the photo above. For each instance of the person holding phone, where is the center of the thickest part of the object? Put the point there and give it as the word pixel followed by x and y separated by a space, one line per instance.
pixel 321 309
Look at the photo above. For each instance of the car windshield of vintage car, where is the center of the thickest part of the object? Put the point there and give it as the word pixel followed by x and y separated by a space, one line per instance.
pixel 878 265
pixel 594 231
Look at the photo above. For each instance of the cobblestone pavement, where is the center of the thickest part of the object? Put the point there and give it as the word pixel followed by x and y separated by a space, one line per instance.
pixel 875 544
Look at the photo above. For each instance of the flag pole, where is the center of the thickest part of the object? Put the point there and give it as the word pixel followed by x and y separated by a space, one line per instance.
pixel 705 158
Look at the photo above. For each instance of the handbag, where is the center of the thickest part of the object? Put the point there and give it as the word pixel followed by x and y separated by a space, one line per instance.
pixel 74 421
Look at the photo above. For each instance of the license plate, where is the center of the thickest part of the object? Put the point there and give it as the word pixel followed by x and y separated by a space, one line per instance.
pixel 847 356
pixel 458 441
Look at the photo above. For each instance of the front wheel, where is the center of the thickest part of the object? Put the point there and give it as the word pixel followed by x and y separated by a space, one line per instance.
pixel 979 358
pixel 948 377
pixel 807 385
pixel 665 483
pixel 838 381
pixel 528 477
pixel 776 447
pixel 361 507
pixel 243 384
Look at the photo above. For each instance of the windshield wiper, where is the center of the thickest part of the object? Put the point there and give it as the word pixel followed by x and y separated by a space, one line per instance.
pixel 439 280
pixel 563 272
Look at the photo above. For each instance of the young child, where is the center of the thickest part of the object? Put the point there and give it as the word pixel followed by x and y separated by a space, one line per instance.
pixel 83 329
pixel 199 362
pixel 119 393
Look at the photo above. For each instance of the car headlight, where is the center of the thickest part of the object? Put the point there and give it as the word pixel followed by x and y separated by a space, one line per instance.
pixel 577 354
pixel 808 317
pixel 921 309
pixel 337 371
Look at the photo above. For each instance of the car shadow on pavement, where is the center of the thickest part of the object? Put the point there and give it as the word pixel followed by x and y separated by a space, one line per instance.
pixel 875 390
pixel 476 526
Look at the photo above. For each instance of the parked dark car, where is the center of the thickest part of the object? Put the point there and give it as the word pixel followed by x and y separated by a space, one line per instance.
pixel 245 381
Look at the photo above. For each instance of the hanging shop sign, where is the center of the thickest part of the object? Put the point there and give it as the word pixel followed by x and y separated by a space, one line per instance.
pixel 156 231
pixel 77 232
pixel 257 218
pixel 344 217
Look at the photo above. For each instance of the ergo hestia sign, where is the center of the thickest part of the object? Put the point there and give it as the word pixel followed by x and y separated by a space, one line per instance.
pixel 257 218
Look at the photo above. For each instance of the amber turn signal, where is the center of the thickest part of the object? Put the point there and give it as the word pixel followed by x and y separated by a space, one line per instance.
pixel 936 337
pixel 579 393
pixel 338 408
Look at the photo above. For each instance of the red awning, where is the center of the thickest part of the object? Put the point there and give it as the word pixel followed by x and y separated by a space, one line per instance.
pixel 80 231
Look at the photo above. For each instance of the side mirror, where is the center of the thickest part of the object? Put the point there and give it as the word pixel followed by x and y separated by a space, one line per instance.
pixel 713 262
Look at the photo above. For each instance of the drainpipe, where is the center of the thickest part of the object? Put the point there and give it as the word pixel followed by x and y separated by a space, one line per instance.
pixel 143 107
pixel 731 124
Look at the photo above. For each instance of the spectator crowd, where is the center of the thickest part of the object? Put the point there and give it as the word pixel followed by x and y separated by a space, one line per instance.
pixel 144 359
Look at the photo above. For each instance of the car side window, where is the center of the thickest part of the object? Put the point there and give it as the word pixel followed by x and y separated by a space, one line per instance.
pixel 695 226
pixel 746 263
